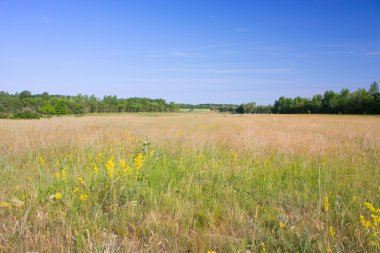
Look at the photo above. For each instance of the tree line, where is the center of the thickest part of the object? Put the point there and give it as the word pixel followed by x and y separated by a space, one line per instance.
pixel 361 101
pixel 28 105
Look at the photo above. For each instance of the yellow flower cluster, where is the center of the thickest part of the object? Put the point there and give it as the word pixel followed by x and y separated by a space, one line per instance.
pixel 365 223
pixel 41 160
pixel 110 167
pixel 58 196
pixel 61 175
pixel 124 167
pixel 122 163
pixel 371 208
pixel 372 225
pixel 95 169
pixel 327 204
pixel 83 197
pixel 138 162
pixel 76 190
pixel 332 232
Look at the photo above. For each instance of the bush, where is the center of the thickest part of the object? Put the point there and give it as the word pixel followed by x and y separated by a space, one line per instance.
pixel 4 115
pixel 26 115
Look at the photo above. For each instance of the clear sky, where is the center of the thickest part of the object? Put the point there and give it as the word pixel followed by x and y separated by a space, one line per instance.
pixel 189 51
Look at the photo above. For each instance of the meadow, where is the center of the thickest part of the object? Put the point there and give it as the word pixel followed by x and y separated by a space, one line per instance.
pixel 190 182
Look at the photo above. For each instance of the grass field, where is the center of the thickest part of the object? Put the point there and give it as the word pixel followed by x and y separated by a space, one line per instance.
pixel 181 182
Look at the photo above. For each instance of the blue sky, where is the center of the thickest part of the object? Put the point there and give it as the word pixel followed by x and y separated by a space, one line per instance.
pixel 190 51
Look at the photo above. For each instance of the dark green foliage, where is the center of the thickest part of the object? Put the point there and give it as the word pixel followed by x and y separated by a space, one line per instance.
pixel 360 101
pixel 25 94
pixel 264 109
pixel 246 108
pixel 27 105
pixel 26 114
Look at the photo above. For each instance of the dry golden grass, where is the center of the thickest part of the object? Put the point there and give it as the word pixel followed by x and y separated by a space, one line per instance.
pixel 215 182
pixel 315 134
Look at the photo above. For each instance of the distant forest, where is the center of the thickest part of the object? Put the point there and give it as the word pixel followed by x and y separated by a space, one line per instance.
pixel 361 101
pixel 27 105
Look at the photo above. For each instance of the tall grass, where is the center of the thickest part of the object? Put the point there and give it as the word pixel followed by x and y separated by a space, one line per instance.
pixel 190 182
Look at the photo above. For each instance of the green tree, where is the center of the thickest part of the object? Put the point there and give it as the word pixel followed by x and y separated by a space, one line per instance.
pixel 316 104
pixel 330 102
pixel 344 99
pixel 48 109
pixel 60 107
pixel 374 89
pixel 25 94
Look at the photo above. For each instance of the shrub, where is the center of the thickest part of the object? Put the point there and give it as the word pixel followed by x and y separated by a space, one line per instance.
pixel 4 115
pixel 26 115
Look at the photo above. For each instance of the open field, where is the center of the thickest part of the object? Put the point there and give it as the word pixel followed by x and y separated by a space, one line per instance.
pixel 206 182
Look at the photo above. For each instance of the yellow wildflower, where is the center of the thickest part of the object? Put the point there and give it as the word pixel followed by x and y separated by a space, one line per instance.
pixel 83 197
pixel 376 220
pixel 41 160
pixel 332 232
pixel 5 204
pixel 58 196
pixel 263 247
pixel 327 204
pixel 372 225
pixel 76 233
pixel 371 208
pixel 63 173
pixel 364 222
pixel 81 181
pixel 138 162
pixel 211 251
pixel 122 163
pixel 76 189
pixel 95 170
pixel 282 225
pixel 110 167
